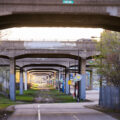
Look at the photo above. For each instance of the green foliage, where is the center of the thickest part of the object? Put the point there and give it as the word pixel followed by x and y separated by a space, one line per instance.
pixel 24 98
pixel 109 61
pixel 27 97
pixel 5 102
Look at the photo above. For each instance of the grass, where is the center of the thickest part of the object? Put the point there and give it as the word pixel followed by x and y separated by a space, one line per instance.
pixel 5 102
pixel 27 97
pixel 24 98
pixel 64 99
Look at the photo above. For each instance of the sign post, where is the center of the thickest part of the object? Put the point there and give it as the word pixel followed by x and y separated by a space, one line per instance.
pixel 78 78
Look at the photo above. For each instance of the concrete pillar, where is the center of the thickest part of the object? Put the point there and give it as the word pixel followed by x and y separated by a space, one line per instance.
pixel 91 81
pixel 7 76
pixel 25 84
pixel 67 86
pixel 64 79
pixel 12 79
pixel 21 81
pixel 83 81
pixel 54 80
pixel 48 82
pixel 59 81
pixel 4 85
pixel 83 66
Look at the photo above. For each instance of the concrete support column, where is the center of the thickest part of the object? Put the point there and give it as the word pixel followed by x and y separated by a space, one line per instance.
pixel 64 78
pixel 54 81
pixel 91 81
pixel 83 81
pixel 48 80
pixel 21 81
pixel 4 85
pixel 12 79
pixel 67 79
pixel 59 81
pixel 83 66
pixel 8 72
pixel 25 84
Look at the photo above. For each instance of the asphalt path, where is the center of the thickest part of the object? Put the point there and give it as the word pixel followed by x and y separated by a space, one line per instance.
pixel 60 111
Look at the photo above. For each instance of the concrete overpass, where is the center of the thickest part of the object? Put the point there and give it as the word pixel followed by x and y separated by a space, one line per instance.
pixel 45 54
pixel 82 13
pixel 48 49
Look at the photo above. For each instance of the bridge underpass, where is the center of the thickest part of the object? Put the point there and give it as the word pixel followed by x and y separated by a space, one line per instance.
pixel 29 67
pixel 56 83
pixel 103 14
pixel 64 54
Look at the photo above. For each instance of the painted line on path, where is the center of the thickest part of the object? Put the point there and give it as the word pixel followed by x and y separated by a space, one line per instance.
pixel 75 117
pixel 39 116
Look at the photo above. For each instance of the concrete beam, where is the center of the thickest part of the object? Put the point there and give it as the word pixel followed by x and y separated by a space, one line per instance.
pixel 103 14
pixel 64 49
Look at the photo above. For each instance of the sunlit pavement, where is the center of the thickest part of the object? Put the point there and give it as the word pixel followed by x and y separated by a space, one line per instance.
pixel 92 95
pixel 60 111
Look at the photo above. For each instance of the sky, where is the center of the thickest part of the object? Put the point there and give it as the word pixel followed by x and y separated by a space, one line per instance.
pixel 50 33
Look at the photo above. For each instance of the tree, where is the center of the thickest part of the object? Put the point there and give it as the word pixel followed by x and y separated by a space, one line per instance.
pixel 109 60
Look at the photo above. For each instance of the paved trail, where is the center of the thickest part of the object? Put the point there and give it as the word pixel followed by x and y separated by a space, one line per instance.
pixel 60 111
pixel 66 111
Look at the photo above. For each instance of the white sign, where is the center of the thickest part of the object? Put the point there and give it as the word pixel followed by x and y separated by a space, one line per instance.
pixel 78 77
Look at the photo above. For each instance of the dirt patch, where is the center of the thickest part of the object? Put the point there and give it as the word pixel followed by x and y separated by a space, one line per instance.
pixel 5 114
pixel 44 98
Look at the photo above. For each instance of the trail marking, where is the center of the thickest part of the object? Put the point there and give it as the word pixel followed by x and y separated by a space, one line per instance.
pixel 75 117
pixel 39 116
